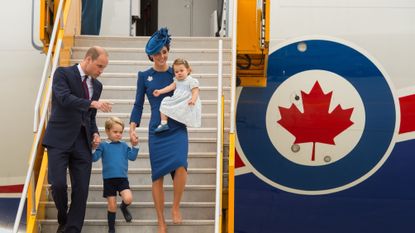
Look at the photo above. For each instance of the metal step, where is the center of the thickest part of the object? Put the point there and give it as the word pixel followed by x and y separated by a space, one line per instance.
pixel 195 144
pixel 192 193
pixel 195 160
pixel 193 132
pixel 208 119
pixel 142 210
pixel 140 42
pixel 193 54
pixel 131 66
pixel 136 226
pixel 130 79
pixel 142 176
pixel 125 92
pixel 126 105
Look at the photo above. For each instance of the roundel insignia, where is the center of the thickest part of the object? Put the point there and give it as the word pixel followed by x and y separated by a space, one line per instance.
pixel 325 122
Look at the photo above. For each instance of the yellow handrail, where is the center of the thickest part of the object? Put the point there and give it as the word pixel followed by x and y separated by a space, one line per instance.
pixel 231 183
pixel 48 13
pixel 40 197
pixel 250 40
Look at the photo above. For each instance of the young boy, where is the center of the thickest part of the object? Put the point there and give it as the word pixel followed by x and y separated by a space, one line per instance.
pixel 115 155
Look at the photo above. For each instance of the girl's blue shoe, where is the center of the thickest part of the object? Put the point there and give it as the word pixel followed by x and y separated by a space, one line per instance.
pixel 161 128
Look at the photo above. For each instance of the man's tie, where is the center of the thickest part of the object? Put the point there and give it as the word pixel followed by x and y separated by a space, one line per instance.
pixel 85 86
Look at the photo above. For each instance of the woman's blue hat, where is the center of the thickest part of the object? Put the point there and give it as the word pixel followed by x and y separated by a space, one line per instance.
pixel 157 41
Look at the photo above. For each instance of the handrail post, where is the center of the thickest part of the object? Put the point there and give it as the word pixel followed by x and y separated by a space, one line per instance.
pixel 33 191
pixel 131 18
pixel 35 46
pixel 46 66
pixel 219 141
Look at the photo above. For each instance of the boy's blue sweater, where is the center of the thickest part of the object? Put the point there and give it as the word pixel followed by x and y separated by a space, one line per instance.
pixel 115 156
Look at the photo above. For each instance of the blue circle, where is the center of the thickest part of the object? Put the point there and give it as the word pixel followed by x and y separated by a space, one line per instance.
pixel 334 57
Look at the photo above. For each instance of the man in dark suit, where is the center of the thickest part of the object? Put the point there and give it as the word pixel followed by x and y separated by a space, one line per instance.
pixel 72 133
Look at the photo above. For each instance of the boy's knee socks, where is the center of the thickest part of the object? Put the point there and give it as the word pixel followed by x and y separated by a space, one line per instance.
pixel 126 212
pixel 111 220
pixel 123 205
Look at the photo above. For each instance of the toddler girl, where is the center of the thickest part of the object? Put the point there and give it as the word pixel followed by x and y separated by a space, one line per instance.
pixel 184 106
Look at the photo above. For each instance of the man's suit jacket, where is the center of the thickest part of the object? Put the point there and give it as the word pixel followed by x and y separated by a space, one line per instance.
pixel 70 111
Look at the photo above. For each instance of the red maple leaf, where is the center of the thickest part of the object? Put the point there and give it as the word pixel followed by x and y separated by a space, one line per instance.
pixel 316 124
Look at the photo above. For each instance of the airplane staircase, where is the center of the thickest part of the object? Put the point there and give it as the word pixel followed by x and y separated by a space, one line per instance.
pixel 127 56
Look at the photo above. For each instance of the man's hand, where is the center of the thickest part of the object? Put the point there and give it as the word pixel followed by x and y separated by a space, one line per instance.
pixel 102 105
pixel 95 141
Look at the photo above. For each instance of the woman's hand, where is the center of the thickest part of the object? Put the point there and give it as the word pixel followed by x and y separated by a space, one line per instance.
pixel 156 93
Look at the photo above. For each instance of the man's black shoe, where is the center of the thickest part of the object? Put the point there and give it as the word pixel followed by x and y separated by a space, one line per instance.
pixel 111 231
pixel 61 228
pixel 126 212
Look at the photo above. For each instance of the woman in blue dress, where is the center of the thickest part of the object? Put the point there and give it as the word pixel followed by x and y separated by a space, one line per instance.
pixel 168 150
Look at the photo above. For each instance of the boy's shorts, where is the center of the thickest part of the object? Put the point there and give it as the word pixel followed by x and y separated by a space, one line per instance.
pixel 112 185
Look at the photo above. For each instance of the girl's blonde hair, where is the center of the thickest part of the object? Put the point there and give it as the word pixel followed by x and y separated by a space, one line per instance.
pixel 181 61
pixel 112 121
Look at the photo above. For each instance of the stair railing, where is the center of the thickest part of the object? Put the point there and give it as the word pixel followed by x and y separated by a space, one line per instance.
pixel 40 124
pixel 34 45
pixel 219 143
pixel 231 174
pixel 47 66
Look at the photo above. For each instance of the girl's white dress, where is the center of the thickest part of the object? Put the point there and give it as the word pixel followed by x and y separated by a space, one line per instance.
pixel 177 106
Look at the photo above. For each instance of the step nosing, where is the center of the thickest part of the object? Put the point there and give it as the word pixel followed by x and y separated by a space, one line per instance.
pixel 148 170
pixel 144 114
pixel 141 222
pixel 141 203
pixel 142 50
pixel 134 74
pixel 122 62
pixel 134 87
pixel 146 102
pixel 148 187
pixel 198 130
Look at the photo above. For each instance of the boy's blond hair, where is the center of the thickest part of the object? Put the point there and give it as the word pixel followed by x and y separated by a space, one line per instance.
pixel 112 121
